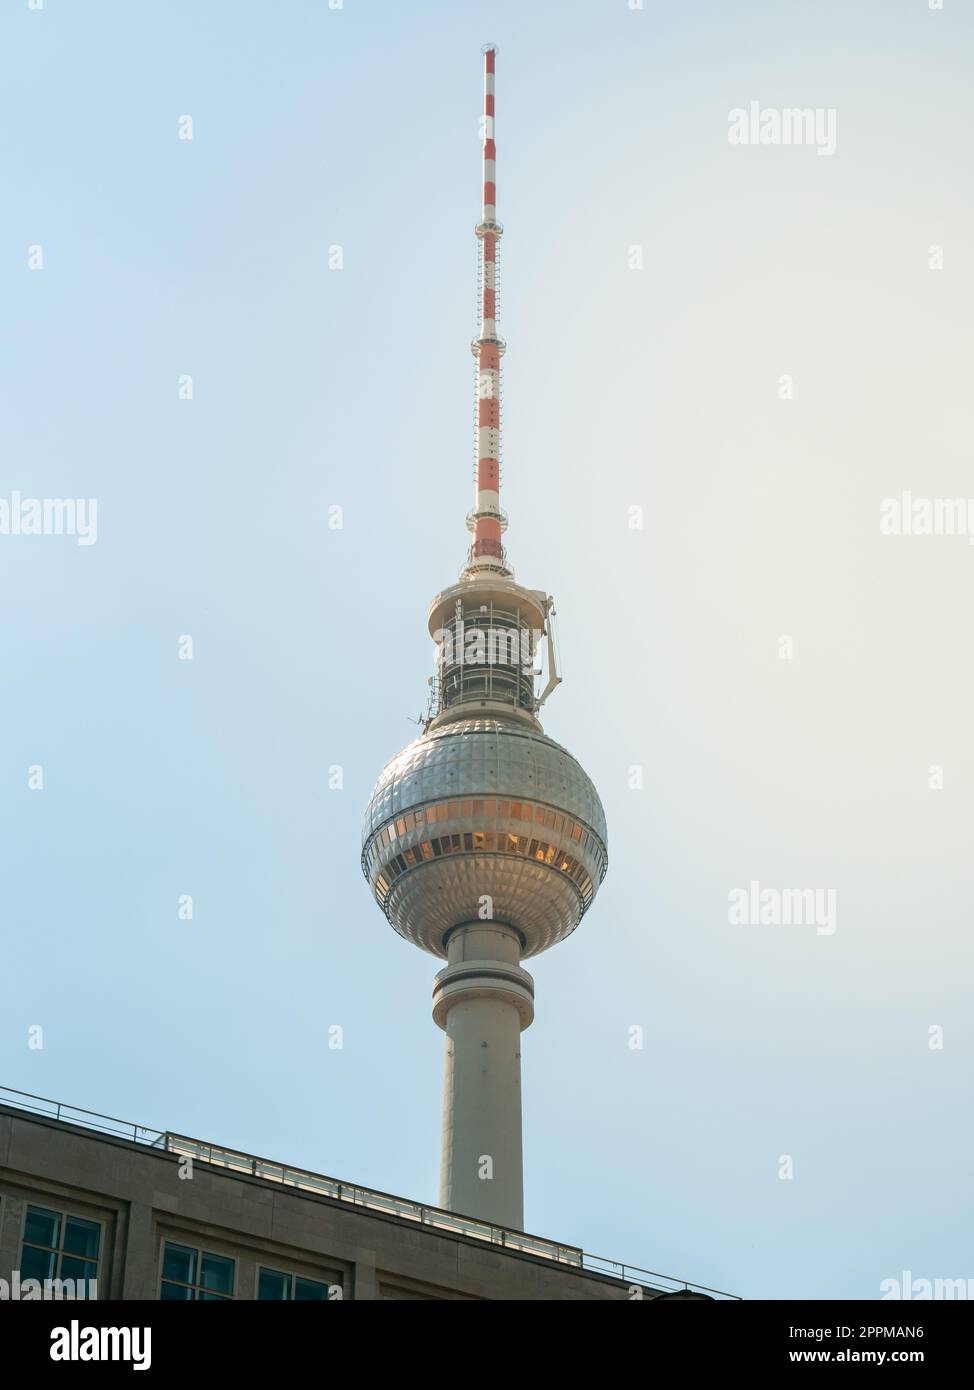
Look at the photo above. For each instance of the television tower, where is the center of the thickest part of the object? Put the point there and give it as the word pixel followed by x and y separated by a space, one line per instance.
pixel 484 840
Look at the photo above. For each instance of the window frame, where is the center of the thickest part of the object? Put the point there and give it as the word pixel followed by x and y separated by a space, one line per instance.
pixel 64 1215
pixel 196 1288
pixel 293 1276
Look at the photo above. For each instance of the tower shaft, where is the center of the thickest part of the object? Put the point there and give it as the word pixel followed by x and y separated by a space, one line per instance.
pixel 482 1001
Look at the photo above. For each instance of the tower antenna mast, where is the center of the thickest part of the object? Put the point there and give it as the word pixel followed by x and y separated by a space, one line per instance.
pixel 486 520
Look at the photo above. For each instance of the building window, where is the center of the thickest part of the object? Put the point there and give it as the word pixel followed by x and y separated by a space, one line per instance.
pixel 195 1274
pixel 272 1283
pixel 59 1246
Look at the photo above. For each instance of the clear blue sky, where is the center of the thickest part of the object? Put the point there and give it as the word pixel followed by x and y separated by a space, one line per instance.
pixel 655 388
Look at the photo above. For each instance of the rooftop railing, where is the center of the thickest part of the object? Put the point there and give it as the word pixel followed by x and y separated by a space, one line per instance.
pixel 249 1165
pixel 89 1119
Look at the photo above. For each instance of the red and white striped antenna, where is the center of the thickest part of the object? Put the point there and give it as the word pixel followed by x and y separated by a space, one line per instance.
pixel 486 520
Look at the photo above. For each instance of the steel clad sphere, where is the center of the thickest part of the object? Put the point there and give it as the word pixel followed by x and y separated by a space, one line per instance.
pixel 484 817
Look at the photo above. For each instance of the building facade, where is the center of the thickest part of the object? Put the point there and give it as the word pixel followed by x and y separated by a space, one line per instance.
pixel 154 1215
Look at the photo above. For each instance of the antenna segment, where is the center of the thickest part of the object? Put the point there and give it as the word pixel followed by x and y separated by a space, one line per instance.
pixel 486 520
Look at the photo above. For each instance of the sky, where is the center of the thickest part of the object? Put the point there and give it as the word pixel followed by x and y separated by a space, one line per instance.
pixel 723 358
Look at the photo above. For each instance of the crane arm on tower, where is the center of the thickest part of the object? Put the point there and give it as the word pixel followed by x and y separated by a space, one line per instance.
pixel 554 673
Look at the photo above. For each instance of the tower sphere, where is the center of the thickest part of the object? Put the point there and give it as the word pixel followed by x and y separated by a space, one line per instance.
pixel 484 813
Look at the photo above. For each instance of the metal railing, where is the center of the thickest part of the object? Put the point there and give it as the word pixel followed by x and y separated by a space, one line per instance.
pixel 385 1202
pixel 89 1119
pixel 249 1165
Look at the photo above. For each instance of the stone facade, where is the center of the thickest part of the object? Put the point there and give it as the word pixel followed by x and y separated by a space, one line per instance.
pixel 135 1192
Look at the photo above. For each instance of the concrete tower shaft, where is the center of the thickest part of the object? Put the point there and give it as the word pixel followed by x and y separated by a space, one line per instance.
pixel 482 1001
